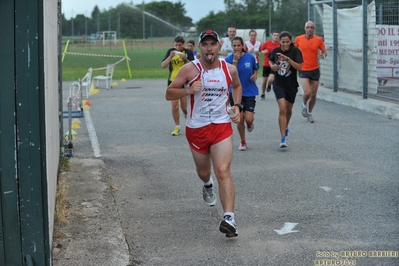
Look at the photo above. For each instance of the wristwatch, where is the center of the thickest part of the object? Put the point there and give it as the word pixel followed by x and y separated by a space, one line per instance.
pixel 240 106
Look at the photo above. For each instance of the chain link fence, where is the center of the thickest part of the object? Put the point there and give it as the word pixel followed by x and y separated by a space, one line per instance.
pixel 362 39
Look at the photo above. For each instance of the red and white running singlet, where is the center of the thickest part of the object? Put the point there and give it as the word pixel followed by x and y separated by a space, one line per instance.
pixel 210 104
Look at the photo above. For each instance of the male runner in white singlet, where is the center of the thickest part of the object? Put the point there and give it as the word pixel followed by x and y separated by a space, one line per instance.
pixel 208 128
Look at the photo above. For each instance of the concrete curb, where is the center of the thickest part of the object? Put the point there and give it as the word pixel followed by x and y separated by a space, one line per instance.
pixel 93 234
pixel 383 108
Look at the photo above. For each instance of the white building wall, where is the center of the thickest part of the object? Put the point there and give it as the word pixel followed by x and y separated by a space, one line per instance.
pixel 50 41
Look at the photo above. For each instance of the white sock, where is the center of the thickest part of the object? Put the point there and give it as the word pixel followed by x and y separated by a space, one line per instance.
pixel 304 105
pixel 178 126
pixel 309 113
pixel 210 182
pixel 231 214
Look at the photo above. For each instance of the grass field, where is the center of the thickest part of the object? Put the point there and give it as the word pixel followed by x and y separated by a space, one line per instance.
pixel 145 59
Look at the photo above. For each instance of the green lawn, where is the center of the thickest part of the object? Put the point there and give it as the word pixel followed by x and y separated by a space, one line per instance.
pixel 145 60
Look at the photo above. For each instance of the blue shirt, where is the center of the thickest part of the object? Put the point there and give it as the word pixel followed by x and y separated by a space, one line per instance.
pixel 246 66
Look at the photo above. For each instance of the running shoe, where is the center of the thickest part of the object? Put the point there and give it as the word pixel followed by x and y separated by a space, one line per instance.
pixel 269 89
pixel 287 131
pixel 310 118
pixel 283 143
pixel 176 131
pixel 251 127
pixel 209 196
pixel 304 111
pixel 262 97
pixel 242 146
pixel 228 226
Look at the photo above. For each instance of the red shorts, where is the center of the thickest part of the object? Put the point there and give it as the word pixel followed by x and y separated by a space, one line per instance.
pixel 201 139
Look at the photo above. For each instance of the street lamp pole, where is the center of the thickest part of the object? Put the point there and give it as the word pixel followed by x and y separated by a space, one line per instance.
pixel 143 22
pixel 270 17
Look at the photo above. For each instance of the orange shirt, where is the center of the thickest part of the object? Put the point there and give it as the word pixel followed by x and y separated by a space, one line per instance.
pixel 310 51
pixel 269 45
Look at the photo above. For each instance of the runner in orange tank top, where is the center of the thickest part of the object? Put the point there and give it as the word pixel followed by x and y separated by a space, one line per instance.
pixel 310 44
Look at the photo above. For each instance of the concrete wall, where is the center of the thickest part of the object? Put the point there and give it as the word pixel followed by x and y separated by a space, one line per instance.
pixel 50 44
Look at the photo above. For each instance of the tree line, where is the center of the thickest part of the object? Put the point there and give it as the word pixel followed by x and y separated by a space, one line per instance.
pixel 166 19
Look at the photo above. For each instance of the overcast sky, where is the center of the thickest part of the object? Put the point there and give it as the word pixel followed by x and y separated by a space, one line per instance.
pixel 196 9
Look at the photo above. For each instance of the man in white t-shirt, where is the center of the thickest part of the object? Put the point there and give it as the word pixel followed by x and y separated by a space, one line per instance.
pixel 226 48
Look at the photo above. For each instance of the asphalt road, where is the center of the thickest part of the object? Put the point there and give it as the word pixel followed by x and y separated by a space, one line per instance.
pixel 331 195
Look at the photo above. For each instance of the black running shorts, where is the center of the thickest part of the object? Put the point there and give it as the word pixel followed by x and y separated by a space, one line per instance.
pixel 289 95
pixel 311 74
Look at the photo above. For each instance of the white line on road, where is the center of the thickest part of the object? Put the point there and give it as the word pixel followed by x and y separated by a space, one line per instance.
pixel 92 134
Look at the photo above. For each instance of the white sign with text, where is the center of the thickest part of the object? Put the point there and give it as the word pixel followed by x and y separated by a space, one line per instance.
pixel 388 51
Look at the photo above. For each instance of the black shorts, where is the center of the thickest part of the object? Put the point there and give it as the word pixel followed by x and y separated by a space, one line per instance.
pixel 311 74
pixel 281 92
pixel 267 71
pixel 248 103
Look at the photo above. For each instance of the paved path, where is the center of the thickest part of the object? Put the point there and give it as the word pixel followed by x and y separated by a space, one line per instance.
pixel 335 188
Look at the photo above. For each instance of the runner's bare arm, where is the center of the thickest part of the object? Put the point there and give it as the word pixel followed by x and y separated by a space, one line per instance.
pixel 175 90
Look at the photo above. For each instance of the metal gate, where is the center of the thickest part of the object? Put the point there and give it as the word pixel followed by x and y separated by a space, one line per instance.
pixel 24 184
pixel 362 37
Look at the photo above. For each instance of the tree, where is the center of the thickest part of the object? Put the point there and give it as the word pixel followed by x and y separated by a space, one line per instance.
pixel 173 13
pixel 130 20
pixel 95 12
pixel 291 15
pixel 218 22
pixel 79 23
pixel 66 26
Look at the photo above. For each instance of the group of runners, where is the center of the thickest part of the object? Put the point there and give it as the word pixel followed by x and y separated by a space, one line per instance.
pixel 219 87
